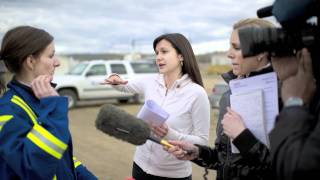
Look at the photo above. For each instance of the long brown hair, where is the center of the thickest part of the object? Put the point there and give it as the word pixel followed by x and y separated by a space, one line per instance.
pixel 183 47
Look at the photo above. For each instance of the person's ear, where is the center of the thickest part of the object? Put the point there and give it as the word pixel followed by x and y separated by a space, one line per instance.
pixel 261 56
pixel 180 57
pixel 30 62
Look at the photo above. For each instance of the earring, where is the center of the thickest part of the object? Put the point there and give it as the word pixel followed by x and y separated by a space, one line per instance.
pixel 181 63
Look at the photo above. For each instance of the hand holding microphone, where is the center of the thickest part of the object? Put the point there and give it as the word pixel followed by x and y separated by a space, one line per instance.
pixel 183 150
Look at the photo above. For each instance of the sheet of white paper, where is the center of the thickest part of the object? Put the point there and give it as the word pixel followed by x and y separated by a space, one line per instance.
pixel 250 107
pixel 152 113
pixel 269 84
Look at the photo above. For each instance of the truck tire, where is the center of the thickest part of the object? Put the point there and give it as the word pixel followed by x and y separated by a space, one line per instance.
pixel 71 95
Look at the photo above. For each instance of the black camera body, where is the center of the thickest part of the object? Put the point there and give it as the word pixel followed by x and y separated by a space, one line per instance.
pixel 296 32
pixel 299 21
pixel 278 41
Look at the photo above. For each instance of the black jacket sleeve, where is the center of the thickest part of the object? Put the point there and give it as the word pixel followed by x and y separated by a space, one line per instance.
pixel 255 152
pixel 208 157
pixel 295 144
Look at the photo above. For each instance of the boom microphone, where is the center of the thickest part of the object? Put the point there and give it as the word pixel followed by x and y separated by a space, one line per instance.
pixel 122 125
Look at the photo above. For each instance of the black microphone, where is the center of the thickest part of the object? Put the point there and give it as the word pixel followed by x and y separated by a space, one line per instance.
pixel 122 125
pixel 265 12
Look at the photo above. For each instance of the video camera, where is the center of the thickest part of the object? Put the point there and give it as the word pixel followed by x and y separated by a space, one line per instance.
pixel 299 20
pixel 297 30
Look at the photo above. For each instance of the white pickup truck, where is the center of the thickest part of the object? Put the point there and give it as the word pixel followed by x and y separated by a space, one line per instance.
pixel 82 82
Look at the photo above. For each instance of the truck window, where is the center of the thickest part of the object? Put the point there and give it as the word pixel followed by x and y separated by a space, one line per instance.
pixel 146 67
pixel 97 70
pixel 118 69
pixel 78 69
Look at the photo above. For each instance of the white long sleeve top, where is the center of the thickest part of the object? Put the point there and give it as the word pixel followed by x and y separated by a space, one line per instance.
pixel 189 120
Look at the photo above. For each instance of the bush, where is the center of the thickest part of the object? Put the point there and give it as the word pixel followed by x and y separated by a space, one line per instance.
pixel 218 69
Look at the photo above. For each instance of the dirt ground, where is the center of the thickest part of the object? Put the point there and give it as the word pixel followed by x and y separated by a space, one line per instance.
pixel 110 158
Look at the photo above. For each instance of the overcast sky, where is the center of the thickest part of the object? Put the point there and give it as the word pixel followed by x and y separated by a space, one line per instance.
pixel 90 26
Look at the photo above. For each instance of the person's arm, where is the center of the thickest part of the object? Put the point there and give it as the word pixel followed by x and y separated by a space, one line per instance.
pixel 136 85
pixel 208 157
pixel 82 172
pixel 295 143
pixel 251 148
pixel 248 145
pixel 54 118
pixel 35 151
pixel 201 155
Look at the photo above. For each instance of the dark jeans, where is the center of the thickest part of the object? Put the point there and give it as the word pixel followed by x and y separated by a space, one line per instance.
pixel 139 174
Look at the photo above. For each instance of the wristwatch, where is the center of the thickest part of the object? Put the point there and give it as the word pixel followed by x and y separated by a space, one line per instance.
pixel 294 101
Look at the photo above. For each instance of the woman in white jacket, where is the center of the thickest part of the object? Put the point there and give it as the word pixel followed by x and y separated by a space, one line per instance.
pixel 178 89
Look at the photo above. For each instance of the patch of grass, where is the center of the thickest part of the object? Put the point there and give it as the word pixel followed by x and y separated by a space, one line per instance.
pixel 218 69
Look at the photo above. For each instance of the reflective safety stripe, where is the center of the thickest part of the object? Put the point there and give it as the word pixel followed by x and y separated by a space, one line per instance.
pixel 39 135
pixel 4 119
pixel 76 162
pixel 46 141
pixel 17 100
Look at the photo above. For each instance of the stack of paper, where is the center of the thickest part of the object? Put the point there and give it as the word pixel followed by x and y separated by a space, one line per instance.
pixel 250 107
pixel 256 100
pixel 152 113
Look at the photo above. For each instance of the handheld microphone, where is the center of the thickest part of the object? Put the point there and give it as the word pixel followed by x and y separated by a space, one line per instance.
pixel 117 123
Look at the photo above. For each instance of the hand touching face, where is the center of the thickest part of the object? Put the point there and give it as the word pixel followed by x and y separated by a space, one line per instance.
pixel 41 87
pixel 303 83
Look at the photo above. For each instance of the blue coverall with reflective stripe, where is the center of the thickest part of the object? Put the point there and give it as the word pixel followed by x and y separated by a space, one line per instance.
pixel 41 151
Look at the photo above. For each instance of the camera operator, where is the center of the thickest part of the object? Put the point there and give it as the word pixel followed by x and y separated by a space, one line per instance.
pixel 295 140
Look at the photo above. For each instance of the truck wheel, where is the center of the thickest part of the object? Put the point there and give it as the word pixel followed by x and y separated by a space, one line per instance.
pixel 71 95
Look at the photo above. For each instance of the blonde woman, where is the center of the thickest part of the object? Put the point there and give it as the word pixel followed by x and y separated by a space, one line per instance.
pixel 253 160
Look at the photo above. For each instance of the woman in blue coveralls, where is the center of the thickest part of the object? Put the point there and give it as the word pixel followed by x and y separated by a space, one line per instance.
pixel 35 141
